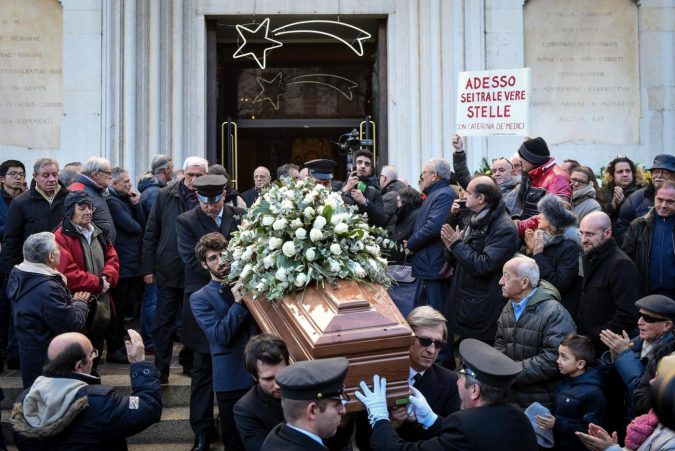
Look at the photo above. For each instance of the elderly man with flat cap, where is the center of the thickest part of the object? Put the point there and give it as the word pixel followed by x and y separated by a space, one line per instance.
pixel 486 421
pixel 312 395
pixel 628 356
pixel 211 215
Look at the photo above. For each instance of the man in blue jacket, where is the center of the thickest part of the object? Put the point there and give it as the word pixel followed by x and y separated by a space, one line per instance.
pixel 67 408
pixel 222 316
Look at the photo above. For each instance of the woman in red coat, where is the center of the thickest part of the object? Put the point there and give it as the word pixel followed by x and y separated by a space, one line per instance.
pixel 89 261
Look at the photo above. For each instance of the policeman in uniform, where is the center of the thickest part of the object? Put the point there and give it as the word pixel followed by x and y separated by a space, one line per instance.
pixel 312 398
pixel 486 421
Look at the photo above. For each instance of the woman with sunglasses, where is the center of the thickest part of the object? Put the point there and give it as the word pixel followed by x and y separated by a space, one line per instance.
pixel 630 356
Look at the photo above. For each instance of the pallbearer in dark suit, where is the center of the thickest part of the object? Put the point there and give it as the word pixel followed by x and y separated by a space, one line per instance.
pixel 312 395
pixel 227 324
pixel 211 215
pixel 485 424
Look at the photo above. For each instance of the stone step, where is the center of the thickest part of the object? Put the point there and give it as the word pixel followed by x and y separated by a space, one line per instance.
pixel 173 427
pixel 176 394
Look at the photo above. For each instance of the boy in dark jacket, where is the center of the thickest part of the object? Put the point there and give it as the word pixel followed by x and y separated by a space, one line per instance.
pixel 579 399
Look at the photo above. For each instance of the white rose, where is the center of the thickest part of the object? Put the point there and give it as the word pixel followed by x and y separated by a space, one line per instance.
pixel 341 228
pixel 331 203
pixel 315 235
pixel 334 266
pixel 309 212
pixel 267 220
pixel 237 253
pixel 274 209
pixel 275 243
pixel 335 249
pixel 319 222
pixel 246 256
pixel 287 203
pixel 301 233
pixel 246 271
pixel 301 280
pixel 373 250
pixel 296 223
pixel 261 286
pixel 268 261
pixel 280 275
pixel 358 270
pixel 289 249
pixel 280 224
pixel 310 254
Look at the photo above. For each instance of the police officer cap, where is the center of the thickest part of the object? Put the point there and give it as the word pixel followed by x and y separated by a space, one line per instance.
pixel 313 379
pixel 487 364
pixel 210 187
pixel 659 304
pixel 321 169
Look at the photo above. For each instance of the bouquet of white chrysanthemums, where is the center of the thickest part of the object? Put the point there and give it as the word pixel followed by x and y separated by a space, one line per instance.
pixel 299 231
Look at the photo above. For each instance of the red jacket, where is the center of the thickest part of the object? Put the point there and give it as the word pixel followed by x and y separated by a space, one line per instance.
pixel 554 180
pixel 72 262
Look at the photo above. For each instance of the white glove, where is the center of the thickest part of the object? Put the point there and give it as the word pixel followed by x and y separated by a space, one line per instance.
pixel 425 416
pixel 376 400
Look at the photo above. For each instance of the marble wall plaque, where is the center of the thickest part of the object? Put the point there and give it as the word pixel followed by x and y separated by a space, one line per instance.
pixel 584 60
pixel 31 66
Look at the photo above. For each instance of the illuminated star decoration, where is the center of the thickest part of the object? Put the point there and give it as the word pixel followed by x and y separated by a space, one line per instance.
pixel 271 90
pixel 275 88
pixel 343 32
pixel 244 31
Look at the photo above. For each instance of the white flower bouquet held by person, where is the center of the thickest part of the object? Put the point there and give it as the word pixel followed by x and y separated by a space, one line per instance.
pixel 298 232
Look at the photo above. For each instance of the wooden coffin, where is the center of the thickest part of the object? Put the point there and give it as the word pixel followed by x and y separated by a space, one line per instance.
pixel 356 321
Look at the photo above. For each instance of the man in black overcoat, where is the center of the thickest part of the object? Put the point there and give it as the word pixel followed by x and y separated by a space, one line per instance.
pixel 211 215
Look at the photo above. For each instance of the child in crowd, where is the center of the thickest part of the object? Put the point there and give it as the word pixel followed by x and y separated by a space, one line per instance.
pixel 579 399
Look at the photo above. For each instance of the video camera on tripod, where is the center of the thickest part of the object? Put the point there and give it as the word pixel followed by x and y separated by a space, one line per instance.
pixel 347 145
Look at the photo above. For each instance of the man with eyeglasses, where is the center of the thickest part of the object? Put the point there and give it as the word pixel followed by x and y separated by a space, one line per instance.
pixel 40 209
pixel 650 242
pixel 161 262
pixel 93 180
pixel 261 178
pixel 609 289
pixel 224 327
pixel 629 357
pixel 486 422
pixel 12 176
pixel 641 201
pixel 313 400
pixel 67 408
pixel 502 173
pixel 530 328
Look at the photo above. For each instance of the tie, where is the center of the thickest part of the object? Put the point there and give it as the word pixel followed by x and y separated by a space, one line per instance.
pixel 218 220
pixel 416 379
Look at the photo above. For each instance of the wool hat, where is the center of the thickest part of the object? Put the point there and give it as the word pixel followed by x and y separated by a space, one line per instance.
pixel 535 151
pixel 75 198
pixel 556 212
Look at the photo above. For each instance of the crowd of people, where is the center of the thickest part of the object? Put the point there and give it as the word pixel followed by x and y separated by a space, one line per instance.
pixel 554 294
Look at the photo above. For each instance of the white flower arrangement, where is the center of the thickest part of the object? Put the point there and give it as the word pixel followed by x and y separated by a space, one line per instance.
pixel 298 232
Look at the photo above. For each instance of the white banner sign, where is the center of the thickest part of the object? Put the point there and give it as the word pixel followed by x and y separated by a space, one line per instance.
pixel 493 102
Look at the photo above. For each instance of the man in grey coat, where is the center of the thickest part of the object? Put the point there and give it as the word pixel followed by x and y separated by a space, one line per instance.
pixel 530 328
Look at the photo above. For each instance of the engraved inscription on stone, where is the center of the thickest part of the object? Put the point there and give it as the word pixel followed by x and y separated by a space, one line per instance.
pixel 584 60
pixel 31 66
